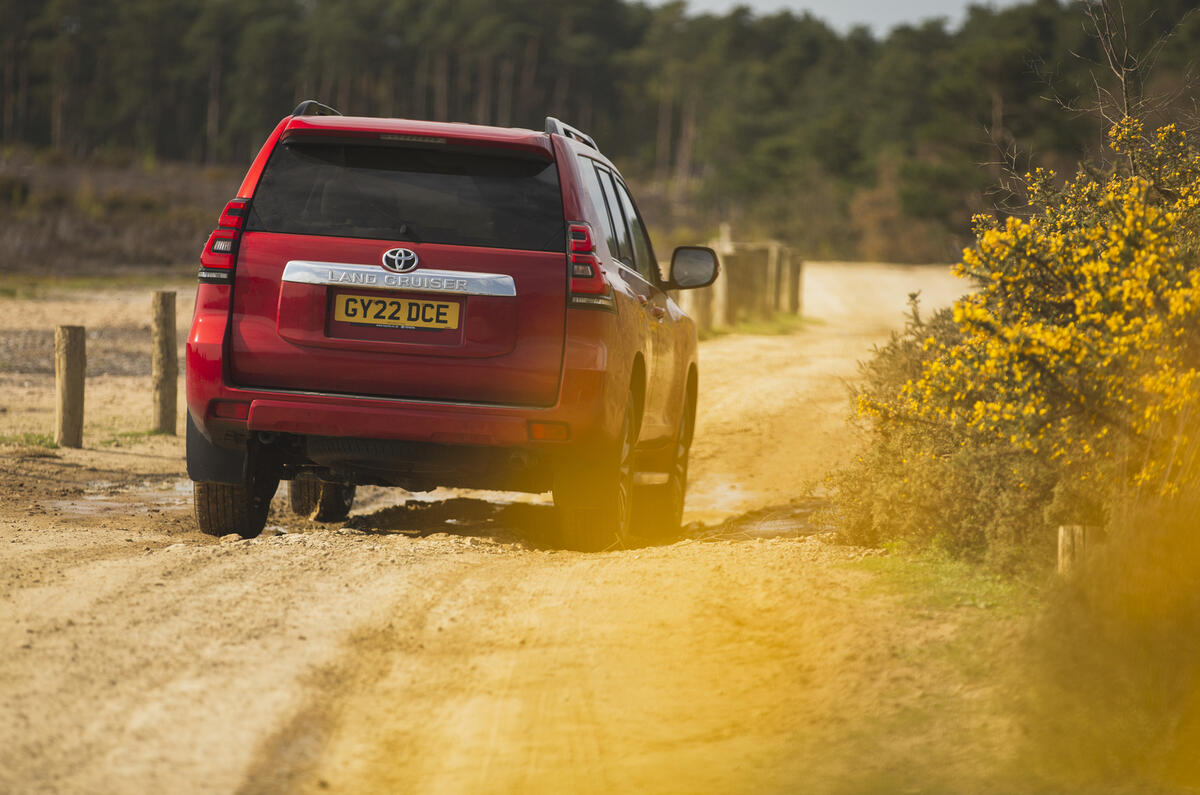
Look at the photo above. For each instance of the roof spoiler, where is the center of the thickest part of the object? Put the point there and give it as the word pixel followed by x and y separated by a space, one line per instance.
pixel 554 126
pixel 310 107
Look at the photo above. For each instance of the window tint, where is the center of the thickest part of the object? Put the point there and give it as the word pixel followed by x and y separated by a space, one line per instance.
pixel 591 183
pixel 401 193
pixel 624 251
pixel 642 251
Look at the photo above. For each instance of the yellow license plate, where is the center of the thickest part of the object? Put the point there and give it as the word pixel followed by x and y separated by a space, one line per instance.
pixel 370 310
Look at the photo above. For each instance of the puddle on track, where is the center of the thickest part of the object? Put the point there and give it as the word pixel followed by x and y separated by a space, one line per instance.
pixel 102 498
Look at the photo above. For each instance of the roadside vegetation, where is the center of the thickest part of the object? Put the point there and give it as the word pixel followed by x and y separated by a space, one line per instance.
pixel 1064 388
pixel 777 324
pixel 29 440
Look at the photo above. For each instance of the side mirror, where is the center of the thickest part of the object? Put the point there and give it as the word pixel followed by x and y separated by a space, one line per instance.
pixel 693 266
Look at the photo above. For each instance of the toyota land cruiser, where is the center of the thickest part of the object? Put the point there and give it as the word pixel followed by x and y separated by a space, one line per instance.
pixel 419 304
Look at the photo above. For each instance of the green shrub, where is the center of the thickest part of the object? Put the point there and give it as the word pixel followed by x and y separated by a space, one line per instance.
pixel 936 484
pixel 1066 385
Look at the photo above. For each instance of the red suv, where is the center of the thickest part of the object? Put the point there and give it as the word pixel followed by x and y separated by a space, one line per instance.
pixel 418 304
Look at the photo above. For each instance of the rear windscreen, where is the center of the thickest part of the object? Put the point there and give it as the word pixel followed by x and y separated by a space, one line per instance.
pixel 401 193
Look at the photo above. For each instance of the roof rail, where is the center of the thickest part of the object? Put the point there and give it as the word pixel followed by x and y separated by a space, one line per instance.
pixel 553 125
pixel 310 107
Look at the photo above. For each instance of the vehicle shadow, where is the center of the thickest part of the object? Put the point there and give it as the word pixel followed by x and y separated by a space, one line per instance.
pixel 531 525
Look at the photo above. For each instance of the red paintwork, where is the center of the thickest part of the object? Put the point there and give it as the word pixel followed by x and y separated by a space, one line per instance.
pixel 250 182
pixel 666 342
pixel 465 134
pixel 584 401
pixel 528 358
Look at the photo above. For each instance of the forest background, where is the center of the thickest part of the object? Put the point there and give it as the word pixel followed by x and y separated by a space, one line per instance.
pixel 844 145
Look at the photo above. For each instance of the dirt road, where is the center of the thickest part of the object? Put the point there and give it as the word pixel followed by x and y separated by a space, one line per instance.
pixel 433 643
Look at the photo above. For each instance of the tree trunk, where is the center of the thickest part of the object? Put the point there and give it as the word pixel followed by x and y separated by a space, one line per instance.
pixel 325 92
pixel 528 81
pixel 460 98
pixel 10 86
pixel 562 85
pixel 441 87
pixel 662 146
pixel 345 87
pixel 420 90
pixel 387 93
pixel 58 102
pixel 562 79
pixel 584 111
pixel 683 153
pixel 212 125
pixel 483 91
pixel 504 93
pixel 22 113
pixel 364 101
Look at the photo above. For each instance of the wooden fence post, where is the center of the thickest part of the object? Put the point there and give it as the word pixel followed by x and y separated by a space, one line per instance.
pixel 698 306
pixel 725 306
pixel 70 367
pixel 785 280
pixel 165 362
pixel 1073 543
pixel 704 308
pixel 774 280
pixel 796 299
pixel 717 304
pixel 758 262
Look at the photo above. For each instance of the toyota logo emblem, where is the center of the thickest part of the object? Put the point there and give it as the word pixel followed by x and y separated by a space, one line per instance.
pixel 400 260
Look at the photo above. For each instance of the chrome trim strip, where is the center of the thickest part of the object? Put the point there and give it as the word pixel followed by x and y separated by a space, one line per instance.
pixel 421 280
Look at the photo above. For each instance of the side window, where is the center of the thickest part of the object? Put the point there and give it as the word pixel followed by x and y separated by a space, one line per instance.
pixel 642 250
pixel 591 183
pixel 624 252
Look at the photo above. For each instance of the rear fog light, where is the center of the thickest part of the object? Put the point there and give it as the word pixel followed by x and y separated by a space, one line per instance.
pixel 549 431
pixel 230 410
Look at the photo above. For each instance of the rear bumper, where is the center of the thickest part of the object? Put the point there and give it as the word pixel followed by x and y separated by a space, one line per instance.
pixel 380 418
pixel 366 418
pixel 589 400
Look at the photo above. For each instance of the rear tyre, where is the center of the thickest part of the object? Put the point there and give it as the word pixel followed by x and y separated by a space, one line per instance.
pixel 658 510
pixel 223 508
pixel 595 498
pixel 321 500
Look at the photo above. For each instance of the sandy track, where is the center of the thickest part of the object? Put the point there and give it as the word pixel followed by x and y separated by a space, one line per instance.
pixel 438 646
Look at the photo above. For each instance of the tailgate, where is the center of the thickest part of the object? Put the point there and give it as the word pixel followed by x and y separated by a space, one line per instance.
pixel 402 272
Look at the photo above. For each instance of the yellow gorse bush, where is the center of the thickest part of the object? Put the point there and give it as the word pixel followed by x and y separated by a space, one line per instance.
pixel 1081 343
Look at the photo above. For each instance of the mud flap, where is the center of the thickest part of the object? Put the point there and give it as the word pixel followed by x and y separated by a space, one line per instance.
pixel 207 462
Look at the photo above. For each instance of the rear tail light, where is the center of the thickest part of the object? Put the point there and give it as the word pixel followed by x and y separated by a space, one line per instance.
pixel 234 216
pixel 221 247
pixel 589 287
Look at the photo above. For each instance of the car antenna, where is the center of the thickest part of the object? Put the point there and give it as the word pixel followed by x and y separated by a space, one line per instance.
pixel 310 107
